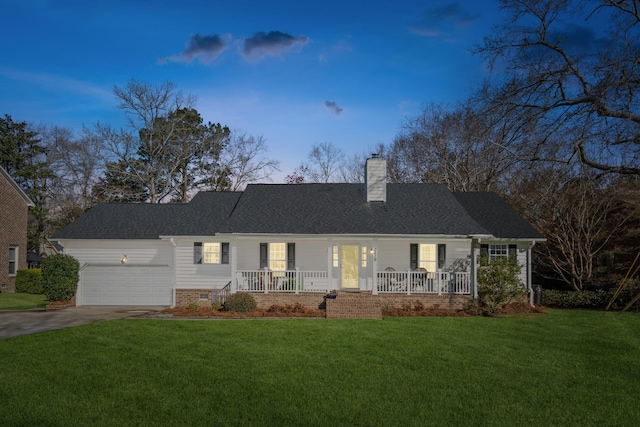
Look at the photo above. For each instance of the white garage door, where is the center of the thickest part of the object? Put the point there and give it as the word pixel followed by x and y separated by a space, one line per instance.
pixel 124 285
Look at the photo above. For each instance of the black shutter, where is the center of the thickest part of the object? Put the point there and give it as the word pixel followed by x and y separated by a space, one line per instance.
pixel 442 256
pixel 197 252
pixel 264 260
pixel 513 250
pixel 413 256
pixel 224 253
pixel 484 250
pixel 291 256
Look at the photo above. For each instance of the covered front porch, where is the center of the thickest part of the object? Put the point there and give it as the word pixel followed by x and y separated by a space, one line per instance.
pixel 400 282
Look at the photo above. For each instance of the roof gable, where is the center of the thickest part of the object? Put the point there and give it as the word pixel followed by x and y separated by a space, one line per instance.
pixel 16 187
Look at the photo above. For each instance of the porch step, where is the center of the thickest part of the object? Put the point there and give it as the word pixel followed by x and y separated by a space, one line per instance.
pixel 354 305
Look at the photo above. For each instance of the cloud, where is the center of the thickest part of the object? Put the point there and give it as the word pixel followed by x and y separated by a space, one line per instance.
pixel 55 82
pixel 272 43
pixel 333 108
pixel 435 21
pixel 204 48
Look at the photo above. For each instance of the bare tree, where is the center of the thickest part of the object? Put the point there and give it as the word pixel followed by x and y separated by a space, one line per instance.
pixel 76 165
pixel 242 161
pixel 145 151
pixel 324 162
pixel 580 215
pixel 569 70
pixel 455 146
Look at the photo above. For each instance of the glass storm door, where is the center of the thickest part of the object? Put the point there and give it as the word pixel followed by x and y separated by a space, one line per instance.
pixel 350 266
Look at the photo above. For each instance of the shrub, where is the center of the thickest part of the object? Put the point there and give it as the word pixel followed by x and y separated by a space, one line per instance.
pixel 29 281
pixel 498 283
pixel 591 299
pixel 241 302
pixel 60 277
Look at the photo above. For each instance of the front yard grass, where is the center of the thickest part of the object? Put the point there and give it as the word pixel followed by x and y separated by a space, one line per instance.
pixel 563 368
pixel 19 301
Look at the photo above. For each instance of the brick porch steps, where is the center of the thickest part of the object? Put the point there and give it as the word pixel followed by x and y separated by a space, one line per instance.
pixel 354 305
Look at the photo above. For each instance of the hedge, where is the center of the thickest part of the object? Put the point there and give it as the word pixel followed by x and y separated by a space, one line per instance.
pixel 60 277
pixel 29 281
pixel 596 300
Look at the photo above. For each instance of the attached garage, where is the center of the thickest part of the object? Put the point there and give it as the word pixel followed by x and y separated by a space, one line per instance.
pixel 126 285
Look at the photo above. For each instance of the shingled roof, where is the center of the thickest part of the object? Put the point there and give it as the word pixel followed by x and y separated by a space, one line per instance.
pixel 410 209
pixel 342 209
pixel 493 213
pixel 202 216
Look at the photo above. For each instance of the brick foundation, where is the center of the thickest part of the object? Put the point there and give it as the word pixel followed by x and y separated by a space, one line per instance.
pixel 355 305
pixel 186 297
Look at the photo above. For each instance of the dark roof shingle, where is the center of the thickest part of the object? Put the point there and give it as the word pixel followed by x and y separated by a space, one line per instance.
pixel 493 213
pixel 427 209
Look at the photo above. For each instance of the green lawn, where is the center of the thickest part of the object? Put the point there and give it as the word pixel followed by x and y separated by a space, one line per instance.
pixel 565 368
pixel 16 301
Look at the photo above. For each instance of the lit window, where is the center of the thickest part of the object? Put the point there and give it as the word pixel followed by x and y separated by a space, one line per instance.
pixel 13 260
pixel 363 256
pixel 427 257
pixel 277 256
pixel 212 253
pixel 336 258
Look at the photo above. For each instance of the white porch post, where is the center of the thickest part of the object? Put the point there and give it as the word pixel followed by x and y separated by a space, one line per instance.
pixel 330 266
pixel 295 280
pixel 234 268
pixel 529 274
pixel 374 287
pixel 474 268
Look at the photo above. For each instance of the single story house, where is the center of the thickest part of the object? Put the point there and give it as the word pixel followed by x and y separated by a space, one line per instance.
pixel 14 211
pixel 295 242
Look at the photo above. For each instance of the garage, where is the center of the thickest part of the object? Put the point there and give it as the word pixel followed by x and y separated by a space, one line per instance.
pixel 126 285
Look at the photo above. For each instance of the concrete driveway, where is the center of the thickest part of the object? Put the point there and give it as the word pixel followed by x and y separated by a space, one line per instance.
pixel 16 323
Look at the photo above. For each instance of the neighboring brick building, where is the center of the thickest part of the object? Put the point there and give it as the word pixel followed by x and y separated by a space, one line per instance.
pixel 14 205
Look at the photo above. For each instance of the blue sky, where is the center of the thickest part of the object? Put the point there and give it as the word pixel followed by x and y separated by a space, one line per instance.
pixel 297 73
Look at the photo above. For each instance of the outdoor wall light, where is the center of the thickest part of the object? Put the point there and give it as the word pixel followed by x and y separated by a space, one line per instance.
pixel 124 259
pixel 373 252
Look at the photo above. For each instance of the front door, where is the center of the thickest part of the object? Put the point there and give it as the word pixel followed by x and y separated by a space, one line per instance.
pixel 350 266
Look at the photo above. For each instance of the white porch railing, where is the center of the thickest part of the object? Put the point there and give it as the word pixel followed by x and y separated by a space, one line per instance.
pixel 293 281
pixel 422 282
pixel 406 282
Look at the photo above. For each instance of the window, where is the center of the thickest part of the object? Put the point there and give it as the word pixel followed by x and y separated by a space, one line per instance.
pixel 429 256
pixel 278 256
pixel 13 260
pixel 336 257
pixel 210 253
pixel 498 250
pixel 363 256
